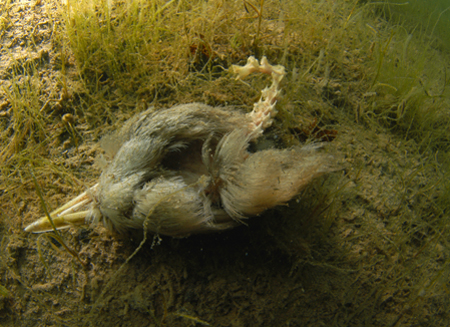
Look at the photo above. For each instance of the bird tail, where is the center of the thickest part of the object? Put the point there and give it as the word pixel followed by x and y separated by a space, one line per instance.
pixel 267 178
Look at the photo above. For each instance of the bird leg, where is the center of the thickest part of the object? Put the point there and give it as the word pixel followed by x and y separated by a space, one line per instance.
pixel 263 110
pixel 66 215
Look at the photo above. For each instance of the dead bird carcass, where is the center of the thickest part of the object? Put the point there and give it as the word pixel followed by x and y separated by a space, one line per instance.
pixel 187 170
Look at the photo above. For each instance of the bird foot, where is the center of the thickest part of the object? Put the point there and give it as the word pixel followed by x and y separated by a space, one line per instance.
pixel 68 215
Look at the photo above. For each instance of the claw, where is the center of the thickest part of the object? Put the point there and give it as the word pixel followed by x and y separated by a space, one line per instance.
pixel 66 215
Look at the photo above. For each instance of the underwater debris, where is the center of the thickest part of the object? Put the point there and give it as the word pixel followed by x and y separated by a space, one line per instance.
pixel 187 170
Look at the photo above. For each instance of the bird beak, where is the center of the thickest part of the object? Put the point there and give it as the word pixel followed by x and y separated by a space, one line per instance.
pixel 72 213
